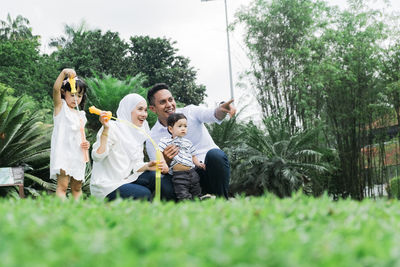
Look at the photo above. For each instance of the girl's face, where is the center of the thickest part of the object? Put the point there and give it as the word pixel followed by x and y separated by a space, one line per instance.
pixel 70 99
pixel 139 114
pixel 179 128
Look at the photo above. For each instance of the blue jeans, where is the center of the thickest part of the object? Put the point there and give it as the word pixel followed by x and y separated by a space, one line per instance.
pixel 148 180
pixel 215 178
pixel 142 188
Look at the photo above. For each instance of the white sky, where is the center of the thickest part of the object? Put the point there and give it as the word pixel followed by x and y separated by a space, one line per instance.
pixel 197 27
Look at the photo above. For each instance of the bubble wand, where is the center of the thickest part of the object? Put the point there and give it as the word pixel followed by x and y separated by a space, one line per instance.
pixel 72 84
pixel 97 111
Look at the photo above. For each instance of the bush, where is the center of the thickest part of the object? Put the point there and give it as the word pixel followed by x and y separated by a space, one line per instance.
pixel 105 93
pixel 272 159
pixel 24 139
pixel 394 187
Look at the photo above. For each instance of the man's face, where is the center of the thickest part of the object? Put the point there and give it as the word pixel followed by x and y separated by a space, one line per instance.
pixel 164 105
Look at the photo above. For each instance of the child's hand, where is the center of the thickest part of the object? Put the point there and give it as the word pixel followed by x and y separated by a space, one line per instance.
pixel 164 168
pixel 202 165
pixel 70 73
pixel 85 145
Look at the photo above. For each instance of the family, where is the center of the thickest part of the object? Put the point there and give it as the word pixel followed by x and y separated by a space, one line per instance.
pixel 192 166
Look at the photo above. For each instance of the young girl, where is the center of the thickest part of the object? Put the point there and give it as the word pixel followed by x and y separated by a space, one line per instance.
pixel 67 163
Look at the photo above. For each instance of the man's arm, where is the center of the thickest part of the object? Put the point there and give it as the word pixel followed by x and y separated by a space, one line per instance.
pixel 225 108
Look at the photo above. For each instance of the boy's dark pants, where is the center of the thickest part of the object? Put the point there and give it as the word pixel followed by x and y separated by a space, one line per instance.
pixel 186 184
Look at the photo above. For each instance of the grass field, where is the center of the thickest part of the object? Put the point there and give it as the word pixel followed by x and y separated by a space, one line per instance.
pixel 267 231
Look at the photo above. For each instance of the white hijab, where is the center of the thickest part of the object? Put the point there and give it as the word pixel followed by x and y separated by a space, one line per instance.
pixel 131 138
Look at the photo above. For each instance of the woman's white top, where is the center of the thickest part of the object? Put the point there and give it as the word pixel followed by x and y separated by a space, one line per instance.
pixel 66 152
pixel 114 167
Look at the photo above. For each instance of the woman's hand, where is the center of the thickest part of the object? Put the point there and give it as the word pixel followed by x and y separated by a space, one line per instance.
pixel 103 118
pixel 153 166
pixel 85 145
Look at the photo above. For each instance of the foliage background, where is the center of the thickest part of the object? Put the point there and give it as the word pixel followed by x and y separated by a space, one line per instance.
pixel 314 69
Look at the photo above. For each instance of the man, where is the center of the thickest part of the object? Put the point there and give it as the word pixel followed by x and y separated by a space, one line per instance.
pixel 215 178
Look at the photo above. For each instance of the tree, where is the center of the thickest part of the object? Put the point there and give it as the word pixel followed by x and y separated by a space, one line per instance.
pixel 91 52
pixel 312 63
pixel 280 37
pixel 106 93
pixel 15 29
pixel 21 65
pixel 18 63
pixel 391 73
pixel 351 73
pixel 70 31
pixel 157 59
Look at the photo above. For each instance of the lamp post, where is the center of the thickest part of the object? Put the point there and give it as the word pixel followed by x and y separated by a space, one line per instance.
pixel 229 47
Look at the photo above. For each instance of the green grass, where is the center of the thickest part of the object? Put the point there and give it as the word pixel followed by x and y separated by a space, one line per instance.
pixel 267 231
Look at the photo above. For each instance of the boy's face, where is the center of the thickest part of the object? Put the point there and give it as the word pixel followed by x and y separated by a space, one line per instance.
pixel 179 128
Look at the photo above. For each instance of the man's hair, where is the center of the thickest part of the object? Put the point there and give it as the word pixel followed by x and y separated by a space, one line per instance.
pixel 173 118
pixel 157 87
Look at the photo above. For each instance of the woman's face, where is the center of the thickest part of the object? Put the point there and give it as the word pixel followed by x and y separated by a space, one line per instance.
pixel 139 114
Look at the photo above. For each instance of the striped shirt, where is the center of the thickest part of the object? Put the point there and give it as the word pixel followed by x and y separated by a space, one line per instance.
pixel 186 150
pixel 197 132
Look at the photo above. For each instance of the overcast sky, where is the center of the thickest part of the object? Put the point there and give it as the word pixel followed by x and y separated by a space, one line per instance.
pixel 197 27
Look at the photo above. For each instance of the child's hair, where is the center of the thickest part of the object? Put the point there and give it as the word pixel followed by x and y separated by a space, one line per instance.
pixel 81 87
pixel 173 118
pixel 157 87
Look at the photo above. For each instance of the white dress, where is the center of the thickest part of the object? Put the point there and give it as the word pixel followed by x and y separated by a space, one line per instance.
pixel 66 152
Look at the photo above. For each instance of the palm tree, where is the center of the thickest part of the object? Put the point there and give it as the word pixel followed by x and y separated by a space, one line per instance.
pixel 274 161
pixel 70 32
pixel 106 92
pixel 228 132
pixel 23 141
pixel 15 29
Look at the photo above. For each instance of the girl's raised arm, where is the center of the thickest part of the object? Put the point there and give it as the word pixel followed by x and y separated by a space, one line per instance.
pixel 57 88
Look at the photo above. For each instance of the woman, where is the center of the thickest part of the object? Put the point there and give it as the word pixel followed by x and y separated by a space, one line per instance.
pixel 118 168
